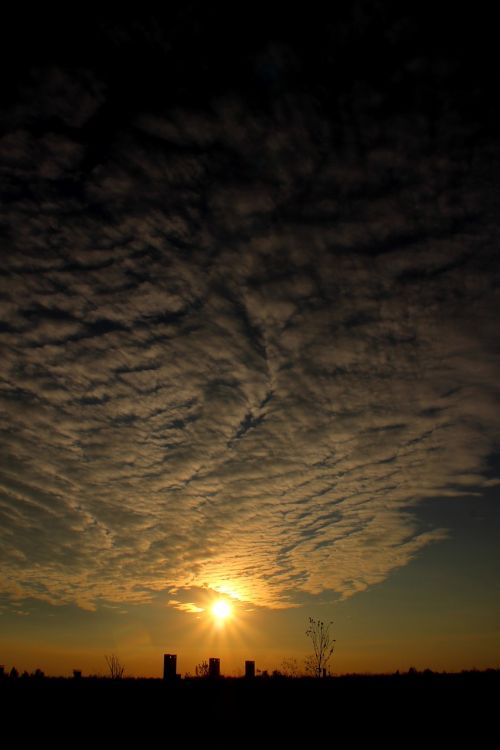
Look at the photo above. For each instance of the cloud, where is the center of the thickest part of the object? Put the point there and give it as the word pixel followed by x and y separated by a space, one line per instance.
pixel 240 347
pixel 189 607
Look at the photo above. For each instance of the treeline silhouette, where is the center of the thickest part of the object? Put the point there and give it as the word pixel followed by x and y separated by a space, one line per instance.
pixel 354 706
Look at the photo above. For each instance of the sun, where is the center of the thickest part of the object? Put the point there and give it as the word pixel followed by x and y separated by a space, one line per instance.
pixel 221 610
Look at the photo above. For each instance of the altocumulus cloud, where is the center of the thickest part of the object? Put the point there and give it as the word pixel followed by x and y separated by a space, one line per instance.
pixel 239 345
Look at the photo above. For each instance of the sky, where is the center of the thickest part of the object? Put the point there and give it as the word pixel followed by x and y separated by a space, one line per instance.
pixel 248 329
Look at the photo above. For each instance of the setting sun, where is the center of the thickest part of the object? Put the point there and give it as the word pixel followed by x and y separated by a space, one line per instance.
pixel 221 610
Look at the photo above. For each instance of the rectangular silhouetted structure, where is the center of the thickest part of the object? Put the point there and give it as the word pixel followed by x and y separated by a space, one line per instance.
pixel 169 666
pixel 249 669
pixel 213 667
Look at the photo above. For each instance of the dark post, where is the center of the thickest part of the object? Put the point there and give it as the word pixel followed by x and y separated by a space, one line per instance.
pixel 213 667
pixel 249 669
pixel 169 667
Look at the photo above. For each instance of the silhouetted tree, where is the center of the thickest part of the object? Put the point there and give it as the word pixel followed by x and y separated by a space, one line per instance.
pixel 115 668
pixel 290 667
pixel 310 666
pixel 201 669
pixel 323 645
pixel 13 674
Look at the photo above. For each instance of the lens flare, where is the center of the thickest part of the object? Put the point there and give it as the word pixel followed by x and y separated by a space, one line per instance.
pixel 221 610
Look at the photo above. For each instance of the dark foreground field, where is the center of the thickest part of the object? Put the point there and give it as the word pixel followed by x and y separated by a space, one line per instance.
pixel 400 710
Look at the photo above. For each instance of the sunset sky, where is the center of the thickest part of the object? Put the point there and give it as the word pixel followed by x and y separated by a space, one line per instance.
pixel 249 304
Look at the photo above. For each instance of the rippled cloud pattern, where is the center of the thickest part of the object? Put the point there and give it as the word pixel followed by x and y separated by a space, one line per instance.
pixel 238 346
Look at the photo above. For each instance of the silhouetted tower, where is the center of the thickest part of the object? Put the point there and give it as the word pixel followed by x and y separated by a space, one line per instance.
pixel 249 669
pixel 213 667
pixel 169 666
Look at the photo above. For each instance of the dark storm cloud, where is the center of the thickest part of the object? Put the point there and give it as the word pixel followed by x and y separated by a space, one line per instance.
pixel 240 344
